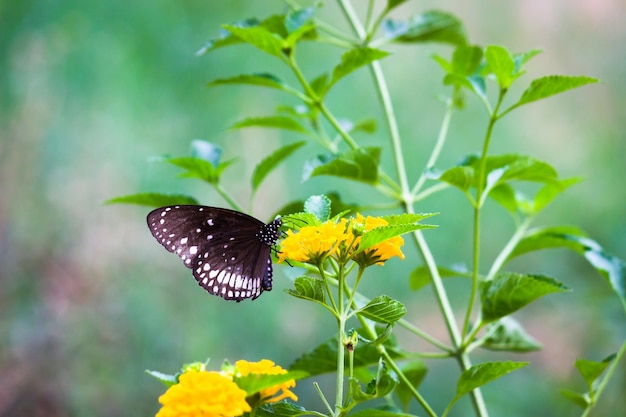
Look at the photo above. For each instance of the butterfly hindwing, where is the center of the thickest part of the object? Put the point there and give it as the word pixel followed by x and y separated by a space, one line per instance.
pixel 227 251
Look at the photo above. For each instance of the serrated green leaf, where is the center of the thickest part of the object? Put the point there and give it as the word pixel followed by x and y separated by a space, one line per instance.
pixel 382 233
pixel 383 309
pixel 591 370
pixel 501 64
pixel 466 60
pixel 284 409
pixel 414 371
pixel 318 205
pixel 319 84
pixel 508 292
pixel 353 60
pixel 461 177
pixel 269 163
pixel 260 79
pixel 323 358
pixel 549 237
pixel 308 288
pixel 226 38
pixel 376 412
pixel 337 206
pixel 550 191
pixel 254 383
pixel 392 4
pixel 507 334
pixel 153 199
pixel 421 276
pixel 275 122
pixel 199 168
pixel 483 373
pixel 550 85
pixel 524 57
pixel 406 218
pixel 430 26
pixel 357 164
pixel 581 400
pixel 166 379
pixel 259 37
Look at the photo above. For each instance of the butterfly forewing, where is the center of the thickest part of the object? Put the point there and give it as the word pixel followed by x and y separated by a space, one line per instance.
pixel 227 251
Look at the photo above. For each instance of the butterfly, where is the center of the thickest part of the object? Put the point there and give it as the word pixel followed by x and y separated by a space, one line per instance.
pixel 228 252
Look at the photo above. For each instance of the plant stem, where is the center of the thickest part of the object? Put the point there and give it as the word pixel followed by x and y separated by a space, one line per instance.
pixel 341 324
pixel 508 248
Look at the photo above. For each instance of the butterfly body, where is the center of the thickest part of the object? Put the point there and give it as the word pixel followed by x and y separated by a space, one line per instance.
pixel 228 252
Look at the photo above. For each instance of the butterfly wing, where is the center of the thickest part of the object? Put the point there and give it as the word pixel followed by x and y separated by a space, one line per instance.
pixel 227 251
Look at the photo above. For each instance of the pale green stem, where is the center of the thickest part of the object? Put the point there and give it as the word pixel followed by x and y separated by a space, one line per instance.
pixel 231 202
pixel 341 323
pixel 508 248
pixel 480 187
pixel 441 139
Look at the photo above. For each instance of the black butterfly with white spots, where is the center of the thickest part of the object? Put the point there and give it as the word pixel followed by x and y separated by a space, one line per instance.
pixel 228 252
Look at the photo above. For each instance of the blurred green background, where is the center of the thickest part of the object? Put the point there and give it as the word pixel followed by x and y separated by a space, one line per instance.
pixel 91 90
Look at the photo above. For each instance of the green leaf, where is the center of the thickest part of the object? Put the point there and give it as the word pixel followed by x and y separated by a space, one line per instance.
pixel 319 84
pixel 466 60
pixel 507 334
pixel 226 38
pixel 382 233
pixel 550 85
pixel 308 288
pixel 508 292
pixel 277 122
pixel 421 276
pixel 483 373
pixel 581 400
pixel 199 168
pixel 383 309
pixel 547 238
pixel 153 199
pixel 323 358
pixel 284 409
pixel 611 268
pixel 375 412
pixel 378 387
pixel 353 60
pixel 259 37
pixel 254 383
pixel 550 191
pixel 430 26
pixel 166 379
pixel 269 163
pixel 319 206
pixel 461 177
pixel 357 164
pixel 501 64
pixel 592 370
pixel 337 206
pixel 505 195
pixel 392 4
pixel 260 79
pixel 366 125
pixel 414 371
pixel 522 58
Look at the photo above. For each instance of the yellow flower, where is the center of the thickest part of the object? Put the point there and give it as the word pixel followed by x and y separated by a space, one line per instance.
pixel 203 394
pixel 313 243
pixel 381 252
pixel 267 367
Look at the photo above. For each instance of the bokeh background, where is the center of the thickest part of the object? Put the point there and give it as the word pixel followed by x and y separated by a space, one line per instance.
pixel 90 91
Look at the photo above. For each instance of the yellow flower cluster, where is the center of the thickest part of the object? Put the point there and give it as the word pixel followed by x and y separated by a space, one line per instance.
pixel 201 393
pixel 312 244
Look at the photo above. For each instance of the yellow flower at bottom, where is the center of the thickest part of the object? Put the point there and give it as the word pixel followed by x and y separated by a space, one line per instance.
pixel 203 394
pixel 267 367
